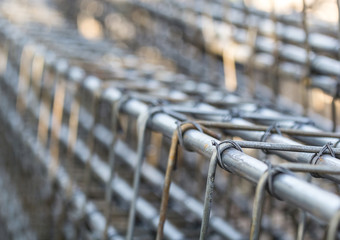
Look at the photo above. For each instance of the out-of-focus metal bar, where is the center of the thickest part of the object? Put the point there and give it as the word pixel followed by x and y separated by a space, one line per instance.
pixel 120 187
pixel 321 64
pixel 306 82
pixel 96 219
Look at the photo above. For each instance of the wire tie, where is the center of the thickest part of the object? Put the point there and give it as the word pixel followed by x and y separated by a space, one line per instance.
pixel 232 144
pixel 275 126
pixel 273 171
pixel 316 157
pixel 179 129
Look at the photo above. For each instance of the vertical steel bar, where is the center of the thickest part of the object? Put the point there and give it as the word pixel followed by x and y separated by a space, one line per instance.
pixel 24 76
pixel 73 121
pixel 112 160
pixel 209 190
pixel 258 207
pixel 301 228
pixel 169 171
pixel 90 142
pixel 333 226
pixel 337 93
pixel 44 108
pixel 306 81
pixel 57 115
pixel 142 124
pixel 274 72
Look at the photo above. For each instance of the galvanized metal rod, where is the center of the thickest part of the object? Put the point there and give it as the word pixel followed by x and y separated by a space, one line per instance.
pixel 112 161
pixel 269 114
pixel 208 196
pixel 257 207
pixel 242 114
pixel 209 190
pixel 143 120
pixel 260 190
pixel 303 157
pixel 301 126
pixel 275 138
pixel 301 228
pixel 283 147
pixel 176 192
pixel 333 226
pixel 169 170
pixel 318 202
pixel 126 154
pixel 287 131
pixel 308 168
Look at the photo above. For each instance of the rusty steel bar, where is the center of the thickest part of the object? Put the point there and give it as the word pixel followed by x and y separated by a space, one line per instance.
pixel 171 164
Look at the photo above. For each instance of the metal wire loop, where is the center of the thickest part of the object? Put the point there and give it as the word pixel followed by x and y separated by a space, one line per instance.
pixel 232 144
pixel 156 107
pixel 179 129
pixel 275 126
pixel 163 109
pixel 265 182
pixel 314 160
pixel 273 171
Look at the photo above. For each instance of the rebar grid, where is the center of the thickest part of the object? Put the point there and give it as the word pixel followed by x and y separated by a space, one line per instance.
pixel 83 131
pixel 291 44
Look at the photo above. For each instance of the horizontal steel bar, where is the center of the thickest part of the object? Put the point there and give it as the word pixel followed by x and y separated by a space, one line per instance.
pixel 302 157
pixel 283 147
pixel 294 132
pixel 289 188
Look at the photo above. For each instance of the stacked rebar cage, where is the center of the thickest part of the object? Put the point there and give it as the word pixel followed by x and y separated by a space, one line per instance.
pixel 151 131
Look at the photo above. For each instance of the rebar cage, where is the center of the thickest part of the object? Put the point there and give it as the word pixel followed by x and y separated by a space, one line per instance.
pixel 169 120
